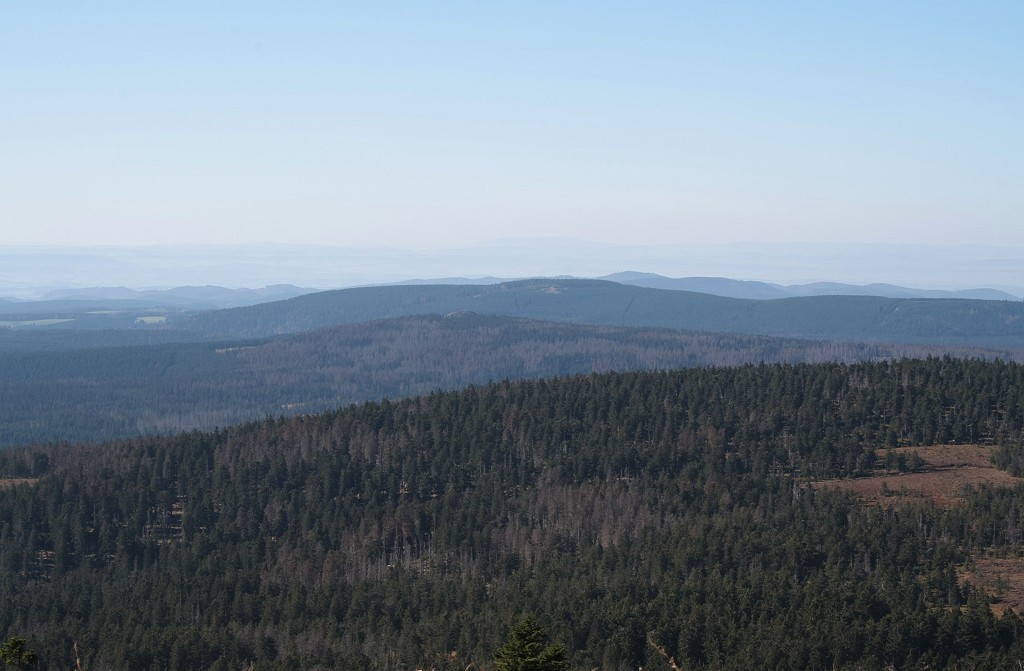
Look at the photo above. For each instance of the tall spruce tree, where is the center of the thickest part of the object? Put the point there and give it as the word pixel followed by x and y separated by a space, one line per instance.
pixel 525 650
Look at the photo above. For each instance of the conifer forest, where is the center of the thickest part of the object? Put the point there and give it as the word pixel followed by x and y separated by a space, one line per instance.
pixel 661 519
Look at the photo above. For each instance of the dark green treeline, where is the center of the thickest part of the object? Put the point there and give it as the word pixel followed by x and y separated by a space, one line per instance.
pixel 619 509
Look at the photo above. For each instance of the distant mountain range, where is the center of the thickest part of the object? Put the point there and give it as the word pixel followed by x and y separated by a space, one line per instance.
pixel 212 297
pixel 195 298
pixel 723 286
pixel 951 321
pixel 29 272
pixel 85 368
pixel 842 315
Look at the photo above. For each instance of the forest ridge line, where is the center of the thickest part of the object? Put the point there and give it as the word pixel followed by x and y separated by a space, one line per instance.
pixel 972 322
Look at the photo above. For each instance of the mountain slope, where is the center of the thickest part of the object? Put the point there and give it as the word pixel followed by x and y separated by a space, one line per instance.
pixel 96 394
pixel 628 512
pixel 717 286
pixel 723 286
pixel 854 318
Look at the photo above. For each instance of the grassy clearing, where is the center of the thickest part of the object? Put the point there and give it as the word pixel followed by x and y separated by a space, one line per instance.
pixel 1002 578
pixel 151 320
pixel 945 471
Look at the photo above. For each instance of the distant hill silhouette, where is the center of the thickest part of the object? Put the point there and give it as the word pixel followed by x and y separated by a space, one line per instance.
pixel 197 298
pixel 723 286
pixel 853 318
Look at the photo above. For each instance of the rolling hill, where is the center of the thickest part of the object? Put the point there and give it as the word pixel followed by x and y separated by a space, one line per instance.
pixel 966 322
pixel 723 286
pixel 105 392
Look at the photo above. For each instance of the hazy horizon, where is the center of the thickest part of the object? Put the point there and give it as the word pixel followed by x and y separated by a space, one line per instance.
pixel 27 271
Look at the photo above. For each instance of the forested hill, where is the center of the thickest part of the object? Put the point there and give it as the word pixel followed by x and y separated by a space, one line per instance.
pixel 852 318
pixel 119 392
pixel 625 511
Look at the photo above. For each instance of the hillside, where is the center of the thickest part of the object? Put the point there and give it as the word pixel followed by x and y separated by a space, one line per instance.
pixel 852 318
pixel 723 286
pixel 101 393
pixel 625 511
pixel 76 324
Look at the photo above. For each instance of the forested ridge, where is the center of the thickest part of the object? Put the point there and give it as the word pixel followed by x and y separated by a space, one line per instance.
pixel 622 509
pixel 977 323
pixel 117 392
pixel 64 325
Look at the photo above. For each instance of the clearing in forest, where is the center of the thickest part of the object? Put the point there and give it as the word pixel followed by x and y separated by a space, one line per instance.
pixel 940 475
pixel 1002 578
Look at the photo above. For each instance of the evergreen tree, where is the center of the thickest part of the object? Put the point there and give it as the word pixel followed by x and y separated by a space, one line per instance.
pixel 525 650
pixel 16 655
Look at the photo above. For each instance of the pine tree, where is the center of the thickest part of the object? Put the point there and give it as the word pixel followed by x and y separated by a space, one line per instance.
pixel 525 650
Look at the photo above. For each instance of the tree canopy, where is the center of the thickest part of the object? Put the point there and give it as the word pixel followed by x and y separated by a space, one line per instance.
pixel 15 653
pixel 680 507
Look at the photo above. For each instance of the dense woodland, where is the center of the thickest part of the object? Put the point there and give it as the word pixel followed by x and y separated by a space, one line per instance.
pixel 98 393
pixel 623 510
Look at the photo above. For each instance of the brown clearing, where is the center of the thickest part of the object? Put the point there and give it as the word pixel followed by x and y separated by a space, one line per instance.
pixel 14 482
pixel 947 469
pixel 1002 578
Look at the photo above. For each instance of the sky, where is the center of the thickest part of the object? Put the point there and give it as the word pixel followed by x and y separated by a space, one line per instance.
pixel 437 124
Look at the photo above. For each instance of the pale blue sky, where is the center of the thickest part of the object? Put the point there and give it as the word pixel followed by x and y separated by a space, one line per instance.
pixel 434 124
